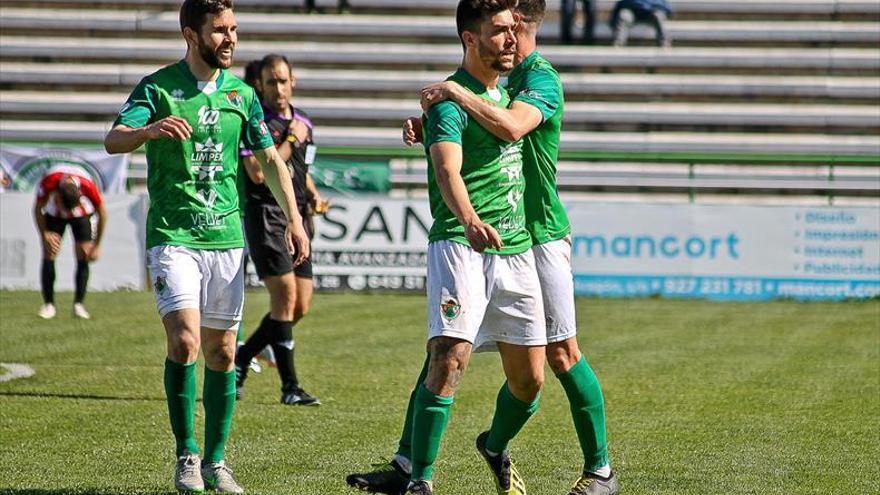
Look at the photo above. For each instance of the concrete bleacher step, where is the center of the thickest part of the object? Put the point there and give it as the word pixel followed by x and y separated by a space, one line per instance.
pixel 406 84
pixel 689 9
pixel 409 175
pixel 572 141
pixel 581 176
pixel 439 29
pixel 374 56
pixel 578 115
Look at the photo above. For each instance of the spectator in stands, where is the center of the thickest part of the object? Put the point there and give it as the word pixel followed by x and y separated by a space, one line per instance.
pixel 629 12
pixel 567 14
pixel 67 196
pixel 343 6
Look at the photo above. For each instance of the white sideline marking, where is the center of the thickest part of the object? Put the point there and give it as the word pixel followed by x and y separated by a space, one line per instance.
pixel 14 371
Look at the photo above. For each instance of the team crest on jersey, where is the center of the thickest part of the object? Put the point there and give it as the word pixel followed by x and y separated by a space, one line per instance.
pixel 177 94
pixel 450 309
pixel 160 285
pixel 235 98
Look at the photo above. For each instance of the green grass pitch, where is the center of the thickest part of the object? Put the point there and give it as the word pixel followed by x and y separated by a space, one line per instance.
pixel 702 398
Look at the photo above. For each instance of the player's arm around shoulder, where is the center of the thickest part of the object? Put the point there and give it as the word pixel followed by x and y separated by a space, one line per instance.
pixel 541 89
pixel 509 124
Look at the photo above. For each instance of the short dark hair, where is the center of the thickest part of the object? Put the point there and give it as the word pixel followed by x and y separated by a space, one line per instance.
pixel 532 10
pixel 70 192
pixel 193 12
pixel 273 59
pixel 470 13
pixel 252 72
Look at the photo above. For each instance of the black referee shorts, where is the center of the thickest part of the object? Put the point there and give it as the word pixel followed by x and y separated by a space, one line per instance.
pixel 264 227
pixel 80 226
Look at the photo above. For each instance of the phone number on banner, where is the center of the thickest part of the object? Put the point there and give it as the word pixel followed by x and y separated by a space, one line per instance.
pixel 724 288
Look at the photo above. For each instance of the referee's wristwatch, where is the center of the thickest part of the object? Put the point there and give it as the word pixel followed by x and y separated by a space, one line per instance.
pixel 291 138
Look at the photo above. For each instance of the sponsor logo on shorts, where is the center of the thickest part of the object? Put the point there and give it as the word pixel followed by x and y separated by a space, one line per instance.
pixel 160 285
pixel 450 309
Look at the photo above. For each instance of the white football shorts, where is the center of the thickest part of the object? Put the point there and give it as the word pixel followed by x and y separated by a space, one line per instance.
pixel 484 298
pixel 553 263
pixel 208 280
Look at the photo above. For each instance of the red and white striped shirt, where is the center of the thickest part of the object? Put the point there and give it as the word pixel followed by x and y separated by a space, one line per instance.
pixel 47 193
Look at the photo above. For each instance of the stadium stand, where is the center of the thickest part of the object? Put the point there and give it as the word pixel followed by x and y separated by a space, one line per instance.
pixel 434 29
pixel 700 9
pixel 389 112
pixel 756 96
pixel 578 87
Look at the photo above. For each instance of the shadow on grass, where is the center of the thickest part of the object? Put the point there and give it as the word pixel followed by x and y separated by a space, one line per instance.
pixel 78 491
pixel 55 395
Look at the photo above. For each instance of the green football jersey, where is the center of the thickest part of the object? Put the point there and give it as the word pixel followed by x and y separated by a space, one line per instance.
pixel 492 170
pixel 537 83
pixel 192 183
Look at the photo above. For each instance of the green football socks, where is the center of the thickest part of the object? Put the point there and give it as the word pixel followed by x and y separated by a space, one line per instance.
pixel 511 414
pixel 588 411
pixel 404 446
pixel 218 396
pixel 430 417
pixel 180 392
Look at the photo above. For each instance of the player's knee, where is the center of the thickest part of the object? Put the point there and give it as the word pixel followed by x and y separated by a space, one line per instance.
pixel 562 356
pixel 284 309
pixel 527 387
pixel 183 348
pixel 80 253
pixel 50 253
pixel 300 311
pixel 445 368
pixel 219 358
pixel 219 361
pixel 449 360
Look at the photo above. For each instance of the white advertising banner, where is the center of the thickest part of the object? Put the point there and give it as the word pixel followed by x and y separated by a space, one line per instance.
pixel 370 244
pixel 628 250
pixel 122 250
pixel 618 250
pixel 725 252
pixel 22 167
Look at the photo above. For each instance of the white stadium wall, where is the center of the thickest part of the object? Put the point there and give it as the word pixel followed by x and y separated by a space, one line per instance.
pixel 684 250
pixel 122 252
pixel 626 250
pixel 726 252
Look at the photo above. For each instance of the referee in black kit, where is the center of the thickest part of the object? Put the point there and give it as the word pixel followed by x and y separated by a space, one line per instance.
pixel 290 287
